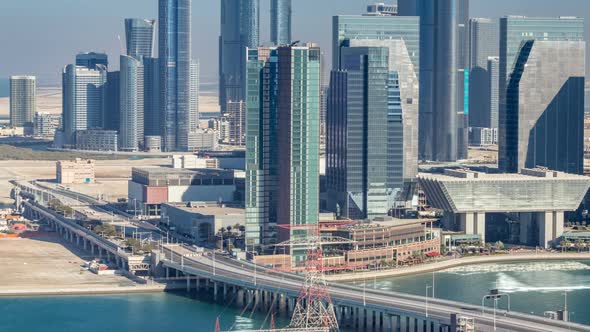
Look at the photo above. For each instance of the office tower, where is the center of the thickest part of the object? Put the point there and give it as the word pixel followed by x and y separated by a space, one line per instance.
pixel 131 108
pixel 494 83
pixel 372 141
pixel 83 99
pixel 240 27
pixel 282 142
pixel 443 76
pixel 23 100
pixel 483 43
pixel 151 97
pixel 280 22
pixel 543 123
pixel 111 115
pixel 174 45
pixel 139 37
pixel 515 31
pixel 90 60
pixel 195 88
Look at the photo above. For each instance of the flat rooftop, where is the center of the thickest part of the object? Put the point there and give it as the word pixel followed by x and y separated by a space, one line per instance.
pixel 465 175
pixel 210 209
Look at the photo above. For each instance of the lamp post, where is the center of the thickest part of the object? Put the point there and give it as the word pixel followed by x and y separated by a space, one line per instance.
pixel 426 299
pixel 494 295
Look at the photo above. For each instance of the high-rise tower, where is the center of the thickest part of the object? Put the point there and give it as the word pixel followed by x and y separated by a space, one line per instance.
pixel 174 35
pixel 280 22
pixel 240 25
pixel 23 100
pixel 139 37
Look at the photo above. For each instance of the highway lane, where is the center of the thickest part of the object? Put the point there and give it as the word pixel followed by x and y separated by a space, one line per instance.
pixel 411 305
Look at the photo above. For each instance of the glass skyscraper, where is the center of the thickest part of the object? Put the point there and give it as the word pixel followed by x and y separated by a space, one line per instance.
pixel 83 99
pixel 240 25
pixel 280 22
pixel 23 100
pixel 282 141
pixel 174 36
pixel 483 43
pixel 92 59
pixel 541 93
pixel 443 76
pixel 131 104
pixel 151 97
pixel 139 39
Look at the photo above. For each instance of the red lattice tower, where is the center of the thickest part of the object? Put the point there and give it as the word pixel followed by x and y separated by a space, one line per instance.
pixel 314 308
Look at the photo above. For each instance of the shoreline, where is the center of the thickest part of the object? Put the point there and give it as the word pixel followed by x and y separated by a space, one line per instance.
pixel 451 263
pixel 39 292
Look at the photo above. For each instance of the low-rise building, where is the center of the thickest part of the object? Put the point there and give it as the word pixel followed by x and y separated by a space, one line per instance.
pixel 97 140
pixel 479 136
pixel 193 162
pixel 153 143
pixel 207 140
pixel 150 187
pixel 75 171
pixel 201 221
pixel 12 131
pixel 46 124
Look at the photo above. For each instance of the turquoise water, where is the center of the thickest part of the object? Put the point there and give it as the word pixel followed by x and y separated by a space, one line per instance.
pixel 533 287
pixel 145 313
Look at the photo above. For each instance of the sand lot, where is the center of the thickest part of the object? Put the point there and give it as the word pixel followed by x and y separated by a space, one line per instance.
pixel 111 175
pixel 48 100
pixel 48 263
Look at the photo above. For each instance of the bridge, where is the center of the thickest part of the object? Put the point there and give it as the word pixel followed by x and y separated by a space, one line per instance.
pixel 256 288
pixel 103 248
pixel 252 287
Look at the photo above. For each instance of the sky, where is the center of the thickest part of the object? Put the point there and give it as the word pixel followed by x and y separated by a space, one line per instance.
pixel 40 37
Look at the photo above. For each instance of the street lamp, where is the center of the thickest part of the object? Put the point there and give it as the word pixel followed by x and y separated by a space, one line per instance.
pixel 426 299
pixel 494 295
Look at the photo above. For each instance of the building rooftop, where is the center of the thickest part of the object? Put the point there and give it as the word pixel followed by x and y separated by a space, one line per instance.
pixel 209 209
pixel 465 175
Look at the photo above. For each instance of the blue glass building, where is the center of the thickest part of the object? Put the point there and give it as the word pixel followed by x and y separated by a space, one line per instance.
pixel 174 36
pixel 280 22
pixel 139 37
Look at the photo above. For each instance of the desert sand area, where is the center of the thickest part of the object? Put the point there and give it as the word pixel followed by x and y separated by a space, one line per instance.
pixel 49 265
pixel 48 100
pixel 111 175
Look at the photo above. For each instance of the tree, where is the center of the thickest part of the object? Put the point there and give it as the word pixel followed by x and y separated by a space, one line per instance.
pixel 499 245
pixel 106 229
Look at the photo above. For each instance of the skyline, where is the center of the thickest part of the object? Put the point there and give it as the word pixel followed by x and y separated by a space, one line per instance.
pixel 98 25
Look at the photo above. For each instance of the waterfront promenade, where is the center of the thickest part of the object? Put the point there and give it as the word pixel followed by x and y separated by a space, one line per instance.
pixel 454 262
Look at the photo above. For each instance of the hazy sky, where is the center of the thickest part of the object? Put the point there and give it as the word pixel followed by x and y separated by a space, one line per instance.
pixel 39 37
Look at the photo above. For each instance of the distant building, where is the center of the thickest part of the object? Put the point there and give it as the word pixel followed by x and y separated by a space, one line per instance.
pixel 112 108
pixel 543 123
pixel 83 99
pixel 92 60
pixel 280 22
pixel 174 29
pixel 484 43
pixel 240 29
pixel 193 162
pixel 201 221
pixel 195 91
pixel 139 37
pixel 236 115
pixel 207 140
pixel 444 76
pixel 131 104
pixel 75 171
pixel 282 142
pixel 97 140
pixel 479 136
pixel 151 98
pixel 150 187
pixel 23 100
pixel 381 9
pixel 46 124
pixel 153 143
pixel 494 83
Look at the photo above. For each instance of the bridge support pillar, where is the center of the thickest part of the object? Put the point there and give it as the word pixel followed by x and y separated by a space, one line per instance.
pixel 370 319
pixel 198 284
pixel 239 297
pixel 215 290
pixel 99 252
pixel 404 324
pixel 224 290
pixel 249 298
pixel 167 273
pixel 85 243
pixel 77 240
pixel 188 283
pixel 92 249
pixel 282 304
